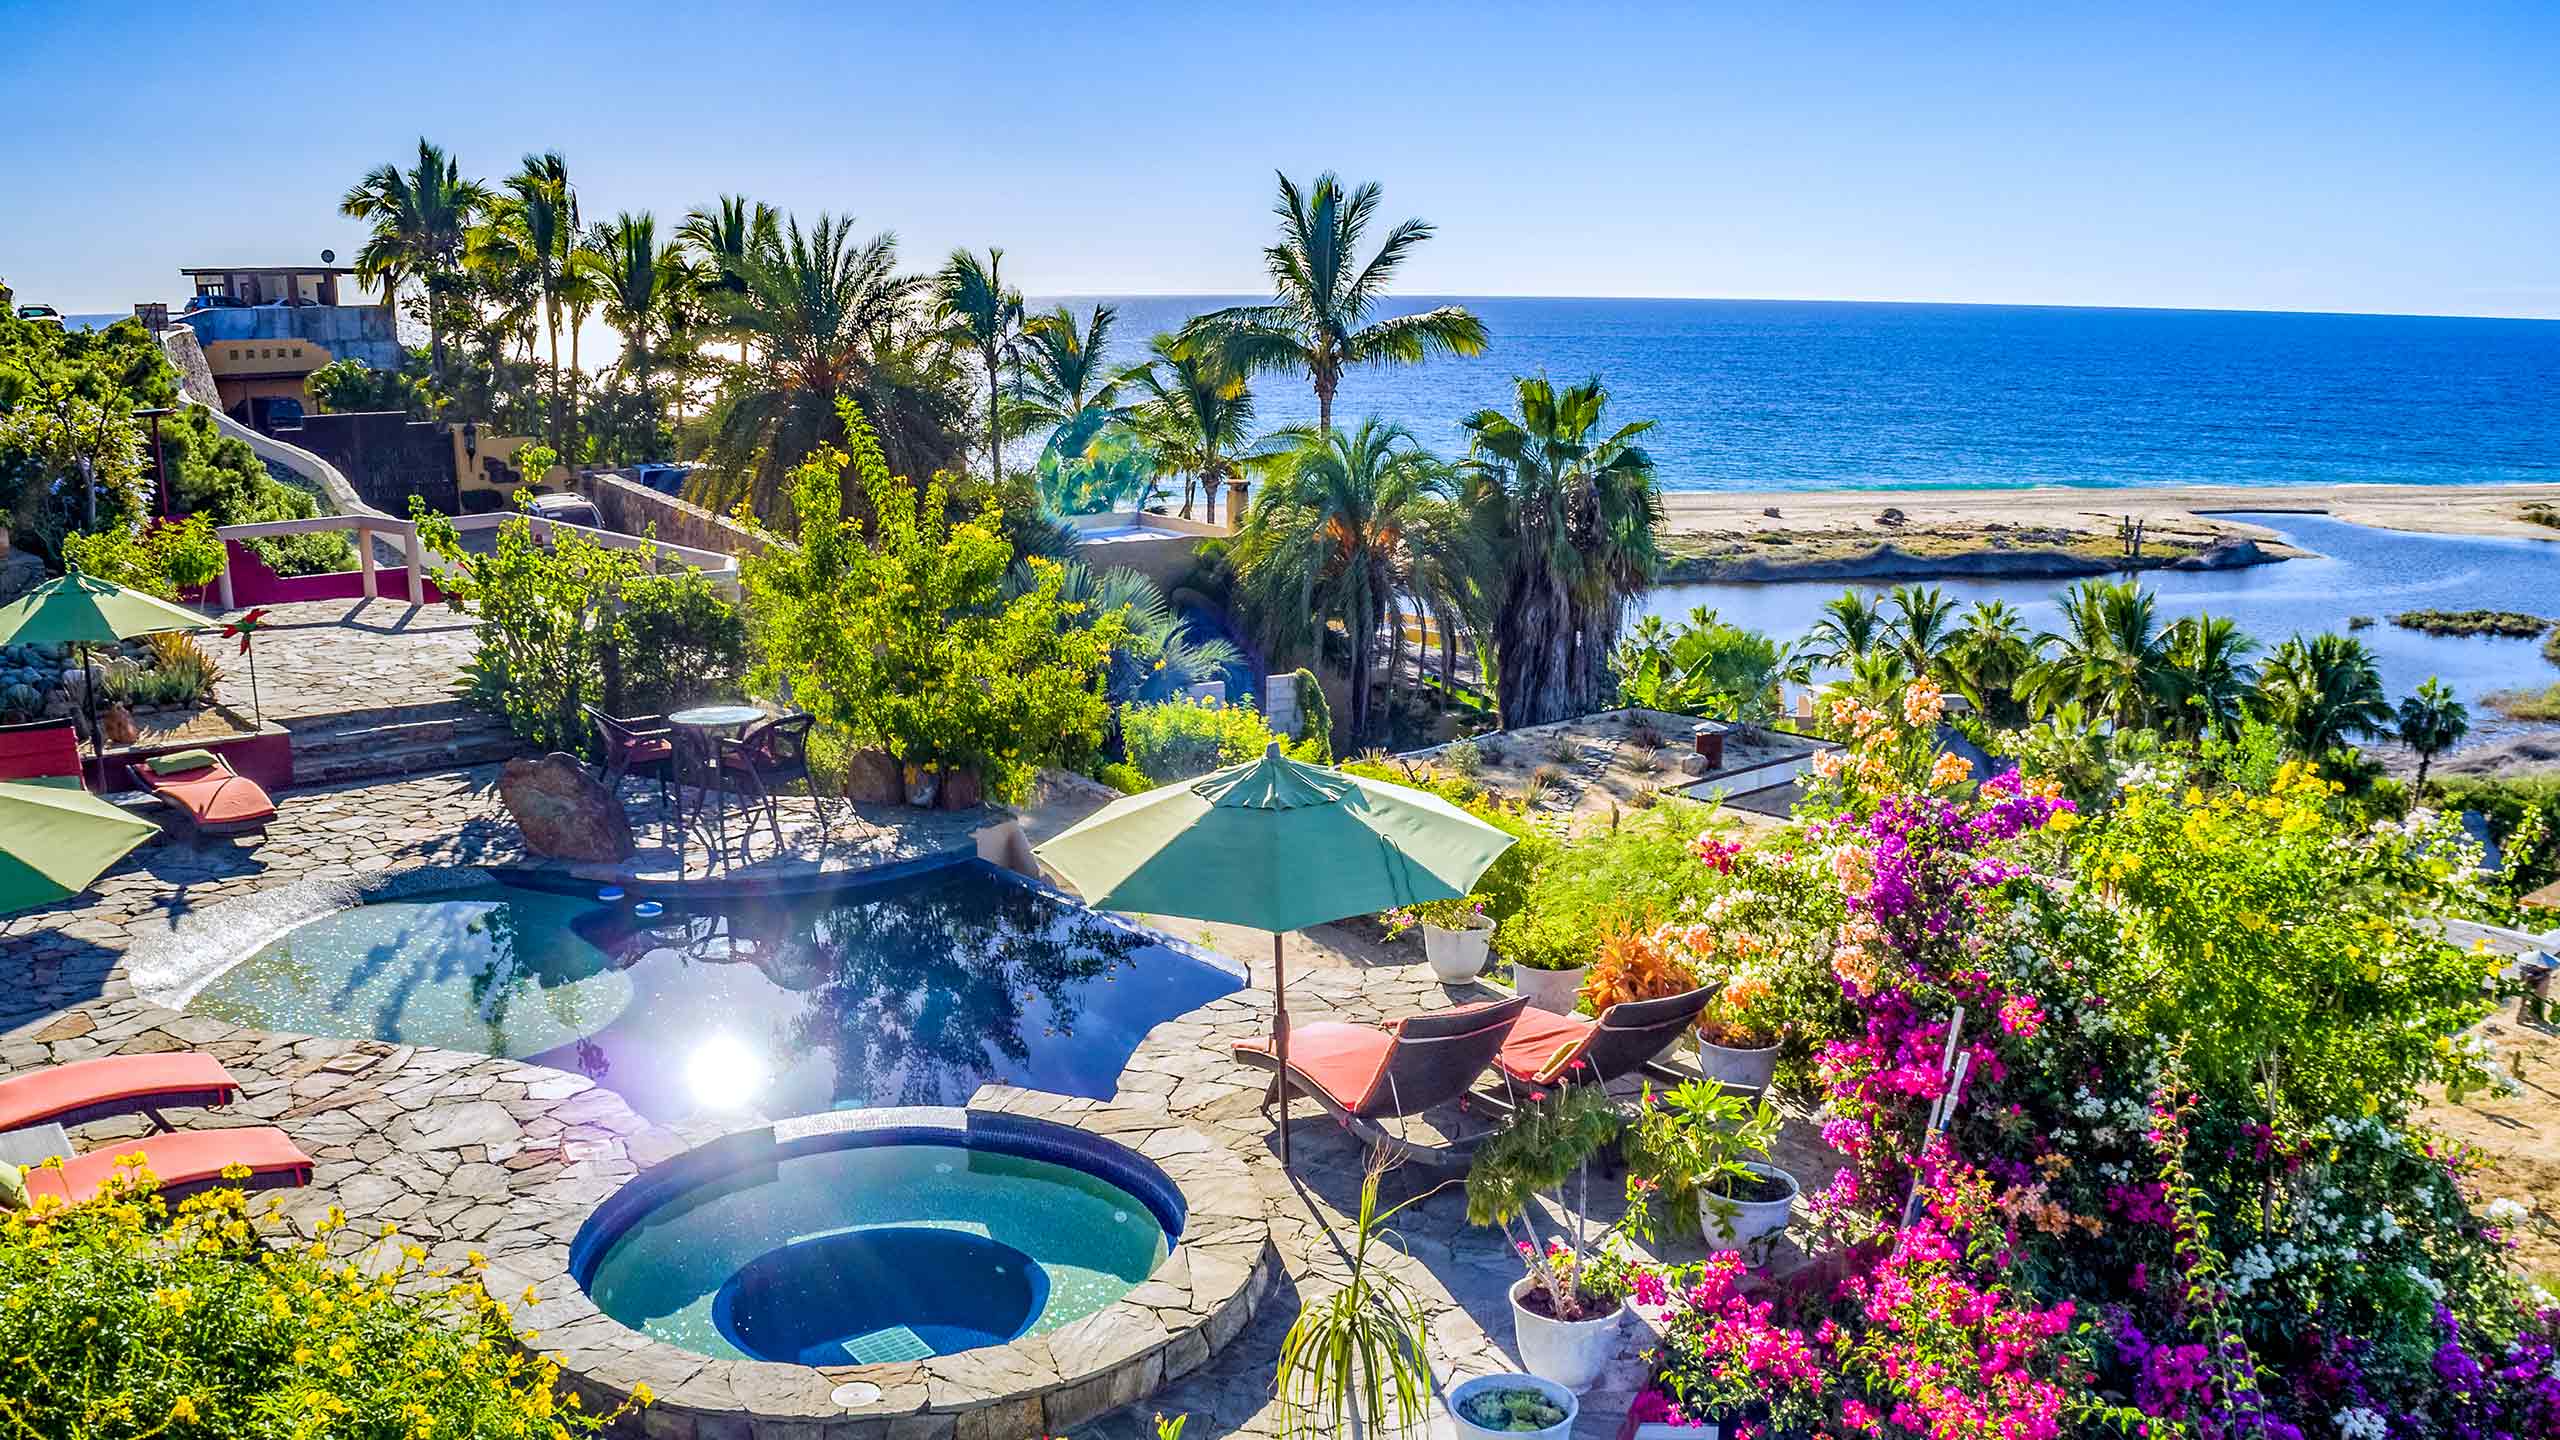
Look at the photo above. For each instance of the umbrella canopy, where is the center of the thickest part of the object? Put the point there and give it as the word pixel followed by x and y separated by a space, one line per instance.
pixel 56 837
pixel 83 610
pixel 1276 845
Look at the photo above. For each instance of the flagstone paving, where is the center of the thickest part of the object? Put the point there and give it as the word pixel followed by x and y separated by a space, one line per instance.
pixel 465 1153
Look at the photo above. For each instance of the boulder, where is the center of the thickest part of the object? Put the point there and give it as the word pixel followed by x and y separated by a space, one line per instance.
pixel 117 723
pixel 564 812
pixel 962 790
pixel 20 571
pixel 871 778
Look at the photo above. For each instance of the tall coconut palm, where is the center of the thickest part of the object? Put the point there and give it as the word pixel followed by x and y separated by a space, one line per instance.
pixel 421 228
pixel 1332 536
pixel 2432 721
pixel 720 238
pixel 1851 625
pixel 827 317
pixel 1921 624
pixel 1322 297
pixel 1569 515
pixel 2206 677
pixel 1987 658
pixel 531 228
pixel 982 314
pixel 637 278
pixel 2109 656
pixel 2323 691
pixel 1195 413
pixel 1063 370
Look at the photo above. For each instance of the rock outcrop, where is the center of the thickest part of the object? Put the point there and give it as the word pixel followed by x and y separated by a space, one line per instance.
pixel 563 811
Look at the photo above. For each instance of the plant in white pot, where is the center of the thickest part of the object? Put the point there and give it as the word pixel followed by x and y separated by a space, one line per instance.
pixel 1696 1144
pixel 1739 1032
pixel 1566 1311
pixel 1355 1362
pixel 1456 935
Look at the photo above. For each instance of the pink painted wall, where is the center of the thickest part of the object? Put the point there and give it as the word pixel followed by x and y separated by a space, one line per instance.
pixel 252 583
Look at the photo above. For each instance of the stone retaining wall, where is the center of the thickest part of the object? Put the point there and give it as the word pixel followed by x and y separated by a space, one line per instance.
pixel 634 509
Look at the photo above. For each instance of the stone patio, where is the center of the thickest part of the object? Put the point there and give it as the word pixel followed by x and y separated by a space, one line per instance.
pixel 467 1152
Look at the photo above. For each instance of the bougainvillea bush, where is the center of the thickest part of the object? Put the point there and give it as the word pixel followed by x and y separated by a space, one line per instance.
pixel 124 1318
pixel 2128 1099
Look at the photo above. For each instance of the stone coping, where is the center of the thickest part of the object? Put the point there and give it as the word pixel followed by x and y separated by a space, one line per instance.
pixel 1196 1302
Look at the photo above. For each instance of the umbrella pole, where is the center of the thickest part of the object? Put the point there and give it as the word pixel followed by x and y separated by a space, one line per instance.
pixel 1280 1039
pixel 89 688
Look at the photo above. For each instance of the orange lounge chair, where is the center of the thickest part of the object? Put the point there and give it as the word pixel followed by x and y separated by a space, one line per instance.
pixel 183 1162
pixel 87 1090
pixel 1363 1075
pixel 1547 1049
pixel 214 796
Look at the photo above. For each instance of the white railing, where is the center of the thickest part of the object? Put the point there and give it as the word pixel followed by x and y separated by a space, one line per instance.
pixel 365 525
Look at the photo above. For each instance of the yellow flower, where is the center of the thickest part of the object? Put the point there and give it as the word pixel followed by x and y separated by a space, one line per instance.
pixel 2063 820
pixel 182 1409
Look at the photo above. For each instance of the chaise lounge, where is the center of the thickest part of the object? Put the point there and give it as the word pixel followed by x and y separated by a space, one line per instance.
pixel 219 799
pixel 1546 1050
pixel 183 1162
pixel 86 1090
pixel 1363 1075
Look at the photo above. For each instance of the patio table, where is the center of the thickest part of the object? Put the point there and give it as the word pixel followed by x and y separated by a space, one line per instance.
pixel 698 731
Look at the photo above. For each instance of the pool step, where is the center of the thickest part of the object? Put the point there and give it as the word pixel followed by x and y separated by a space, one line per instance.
pixel 404 740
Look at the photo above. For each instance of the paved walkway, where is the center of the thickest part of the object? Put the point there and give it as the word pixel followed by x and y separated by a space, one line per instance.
pixel 468 1152
pixel 334 657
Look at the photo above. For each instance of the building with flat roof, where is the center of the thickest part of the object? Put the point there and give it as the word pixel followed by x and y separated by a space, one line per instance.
pixel 265 328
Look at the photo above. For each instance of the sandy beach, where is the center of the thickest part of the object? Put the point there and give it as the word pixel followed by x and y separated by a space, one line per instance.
pixel 2445 509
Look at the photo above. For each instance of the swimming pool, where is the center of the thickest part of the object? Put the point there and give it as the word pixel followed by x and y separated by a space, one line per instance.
pixel 909 990
pixel 951 1231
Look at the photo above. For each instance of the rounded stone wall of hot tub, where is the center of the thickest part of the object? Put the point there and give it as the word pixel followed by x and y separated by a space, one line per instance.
pixel 1016 1267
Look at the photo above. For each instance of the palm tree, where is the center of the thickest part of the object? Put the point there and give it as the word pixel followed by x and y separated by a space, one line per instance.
pixel 532 229
pixel 2432 721
pixel 638 279
pixel 1921 627
pixel 2207 680
pixel 721 237
pixel 2109 656
pixel 421 225
pixel 1852 624
pixel 1156 656
pixel 1570 518
pixel 1196 414
pixel 829 318
pixel 1062 370
pixel 1987 658
pixel 1333 536
pixel 1318 320
pixel 980 312
pixel 2323 690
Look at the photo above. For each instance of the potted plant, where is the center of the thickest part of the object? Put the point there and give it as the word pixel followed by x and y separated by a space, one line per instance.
pixel 1355 1362
pixel 1513 1406
pixel 1554 988
pixel 1699 1144
pixel 1635 964
pixel 1455 935
pixel 1565 1311
pixel 1738 1034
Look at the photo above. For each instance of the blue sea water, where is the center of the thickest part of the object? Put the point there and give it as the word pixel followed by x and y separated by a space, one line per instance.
pixel 1818 395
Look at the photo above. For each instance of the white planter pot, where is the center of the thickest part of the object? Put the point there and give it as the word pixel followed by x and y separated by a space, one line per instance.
pixel 1572 1353
pixel 1556 1394
pixel 1557 991
pixel 1456 956
pixel 1751 1220
pixel 1745 1070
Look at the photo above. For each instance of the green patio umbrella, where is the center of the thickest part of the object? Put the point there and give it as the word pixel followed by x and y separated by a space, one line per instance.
pixel 82 610
pixel 1276 845
pixel 56 837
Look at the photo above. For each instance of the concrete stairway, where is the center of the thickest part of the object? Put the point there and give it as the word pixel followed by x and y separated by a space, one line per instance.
pixel 397 740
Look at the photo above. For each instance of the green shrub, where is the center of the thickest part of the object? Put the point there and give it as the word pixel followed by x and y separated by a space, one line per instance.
pixel 2523 815
pixel 678 643
pixel 1127 779
pixel 1505 885
pixel 124 1320
pixel 1177 739
pixel 1315 714
pixel 164 559
pixel 1638 875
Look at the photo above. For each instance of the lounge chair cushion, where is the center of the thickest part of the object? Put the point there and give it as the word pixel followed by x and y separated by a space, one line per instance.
pixel 1541 1044
pixel 213 794
pixel 179 761
pixel 113 1085
pixel 188 1159
pixel 1344 1059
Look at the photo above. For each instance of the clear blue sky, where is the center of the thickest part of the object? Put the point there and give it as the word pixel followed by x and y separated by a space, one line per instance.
pixel 2245 155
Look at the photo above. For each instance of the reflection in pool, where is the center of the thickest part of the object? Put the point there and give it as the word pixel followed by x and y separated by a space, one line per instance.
pixel 910 991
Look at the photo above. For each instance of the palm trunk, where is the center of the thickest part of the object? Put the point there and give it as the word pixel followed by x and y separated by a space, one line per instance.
pixel 1364 641
pixel 995 430
pixel 551 323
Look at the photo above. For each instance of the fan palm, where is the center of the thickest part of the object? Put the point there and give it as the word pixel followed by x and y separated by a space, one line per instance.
pixel 421 227
pixel 1063 376
pixel 1568 514
pixel 1196 414
pixel 980 313
pixel 1988 656
pixel 1318 320
pixel 1333 535
pixel 2207 678
pixel 2432 721
pixel 638 280
pixel 1156 656
pixel 2322 691
pixel 2110 655
pixel 827 318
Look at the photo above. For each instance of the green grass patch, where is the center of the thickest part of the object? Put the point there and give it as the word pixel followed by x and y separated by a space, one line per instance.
pixel 2525 704
pixel 2512 623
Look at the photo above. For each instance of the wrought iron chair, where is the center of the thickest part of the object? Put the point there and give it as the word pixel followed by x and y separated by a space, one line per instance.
pixel 639 745
pixel 767 755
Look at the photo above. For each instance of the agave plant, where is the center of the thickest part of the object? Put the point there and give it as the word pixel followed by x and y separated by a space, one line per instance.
pixel 1354 1363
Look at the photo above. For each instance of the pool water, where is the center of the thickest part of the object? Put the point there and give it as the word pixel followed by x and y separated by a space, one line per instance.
pixel 909 991
pixel 872 1253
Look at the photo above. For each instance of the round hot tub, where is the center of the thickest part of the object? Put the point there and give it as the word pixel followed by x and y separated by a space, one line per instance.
pixel 841 1240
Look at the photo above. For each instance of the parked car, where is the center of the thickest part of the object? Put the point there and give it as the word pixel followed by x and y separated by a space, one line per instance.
pixel 214 302
pixel 40 314
pixel 567 509
pixel 665 479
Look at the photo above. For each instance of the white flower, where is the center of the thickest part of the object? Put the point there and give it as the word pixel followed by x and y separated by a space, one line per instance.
pixel 2360 1424
pixel 2424 1281
pixel 2506 1211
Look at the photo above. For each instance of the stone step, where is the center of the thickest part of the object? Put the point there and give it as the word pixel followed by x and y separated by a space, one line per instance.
pixel 353 739
pixel 338 765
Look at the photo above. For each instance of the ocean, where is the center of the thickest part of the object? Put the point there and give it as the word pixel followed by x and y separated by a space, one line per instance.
pixel 1818 395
